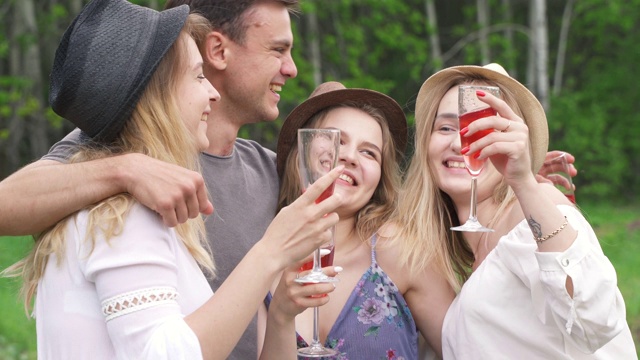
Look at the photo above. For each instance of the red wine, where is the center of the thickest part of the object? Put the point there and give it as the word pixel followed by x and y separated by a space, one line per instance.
pixel 571 197
pixel 326 260
pixel 326 193
pixel 474 165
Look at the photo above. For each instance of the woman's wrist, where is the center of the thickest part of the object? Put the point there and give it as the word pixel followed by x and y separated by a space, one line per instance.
pixel 527 186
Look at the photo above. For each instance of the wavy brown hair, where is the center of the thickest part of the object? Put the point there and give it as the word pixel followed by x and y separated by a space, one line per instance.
pixel 383 202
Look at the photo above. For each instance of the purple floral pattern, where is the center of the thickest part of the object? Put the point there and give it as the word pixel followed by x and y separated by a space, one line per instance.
pixel 377 299
pixel 375 324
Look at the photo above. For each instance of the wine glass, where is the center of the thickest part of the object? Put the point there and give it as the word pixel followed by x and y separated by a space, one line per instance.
pixel 317 154
pixel 557 170
pixel 470 108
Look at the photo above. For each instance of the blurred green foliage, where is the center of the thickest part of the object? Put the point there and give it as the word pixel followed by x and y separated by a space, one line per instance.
pixel 384 45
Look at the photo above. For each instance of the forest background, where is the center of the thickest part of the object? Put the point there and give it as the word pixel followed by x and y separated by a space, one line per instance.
pixel 580 58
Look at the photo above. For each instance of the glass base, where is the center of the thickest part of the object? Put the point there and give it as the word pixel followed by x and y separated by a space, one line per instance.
pixel 316 278
pixel 472 226
pixel 316 351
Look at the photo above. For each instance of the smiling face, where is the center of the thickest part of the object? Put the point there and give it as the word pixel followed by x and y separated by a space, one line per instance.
pixel 361 148
pixel 194 92
pixel 322 153
pixel 444 156
pixel 259 67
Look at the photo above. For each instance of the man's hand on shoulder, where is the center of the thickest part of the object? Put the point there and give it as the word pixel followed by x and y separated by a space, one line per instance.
pixel 176 193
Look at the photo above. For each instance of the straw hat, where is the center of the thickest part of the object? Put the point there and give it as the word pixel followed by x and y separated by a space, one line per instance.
pixel 334 93
pixel 105 60
pixel 533 113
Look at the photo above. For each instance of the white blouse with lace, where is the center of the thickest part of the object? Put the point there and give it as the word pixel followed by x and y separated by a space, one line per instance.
pixel 515 305
pixel 125 299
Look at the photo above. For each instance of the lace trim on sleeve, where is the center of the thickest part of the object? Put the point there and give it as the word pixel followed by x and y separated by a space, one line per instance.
pixel 133 301
pixel 572 317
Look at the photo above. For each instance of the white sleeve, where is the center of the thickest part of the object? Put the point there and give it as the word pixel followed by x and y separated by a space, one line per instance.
pixel 135 276
pixel 596 313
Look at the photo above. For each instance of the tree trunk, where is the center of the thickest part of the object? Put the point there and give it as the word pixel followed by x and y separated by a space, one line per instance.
pixel 75 6
pixel 483 24
pixel 562 47
pixel 434 37
pixel 313 39
pixel 531 53
pixel 541 51
pixel 15 123
pixel 37 124
pixel 511 55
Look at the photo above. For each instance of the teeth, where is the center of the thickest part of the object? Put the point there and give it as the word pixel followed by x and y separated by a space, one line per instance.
pixel 204 117
pixel 455 164
pixel 274 87
pixel 346 178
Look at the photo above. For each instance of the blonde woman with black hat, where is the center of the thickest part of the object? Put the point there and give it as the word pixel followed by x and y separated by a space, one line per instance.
pixel 378 307
pixel 112 281
pixel 539 286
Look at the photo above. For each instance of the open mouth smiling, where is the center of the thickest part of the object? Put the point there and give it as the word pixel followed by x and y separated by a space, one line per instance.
pixel 347 178
pixel 454 164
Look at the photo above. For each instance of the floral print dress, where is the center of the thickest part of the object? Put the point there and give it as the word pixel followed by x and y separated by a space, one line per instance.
pixel 375 323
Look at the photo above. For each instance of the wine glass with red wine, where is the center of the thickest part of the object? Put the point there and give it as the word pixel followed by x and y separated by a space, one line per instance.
pixel 318 151
pixel 470 109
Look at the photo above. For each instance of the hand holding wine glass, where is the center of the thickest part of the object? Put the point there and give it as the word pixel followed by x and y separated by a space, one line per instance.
pixel 317 154
pixel 318 151
pixel 470 109
pixel 558 172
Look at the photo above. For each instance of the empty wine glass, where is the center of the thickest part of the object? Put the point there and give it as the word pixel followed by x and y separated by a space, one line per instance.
pixel 470 109
pixel 557 170
pixel 317 154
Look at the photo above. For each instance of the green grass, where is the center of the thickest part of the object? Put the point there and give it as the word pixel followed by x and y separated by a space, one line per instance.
pixel 618 228
pixel 17 331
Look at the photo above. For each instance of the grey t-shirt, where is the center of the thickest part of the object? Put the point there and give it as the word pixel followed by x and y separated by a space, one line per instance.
pixel 243 188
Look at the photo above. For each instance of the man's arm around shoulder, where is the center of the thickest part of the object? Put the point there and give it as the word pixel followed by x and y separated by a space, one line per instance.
pixel 46 191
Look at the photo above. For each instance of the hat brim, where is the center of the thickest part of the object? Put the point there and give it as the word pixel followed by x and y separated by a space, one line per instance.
pixel 393 114
pixel 532 111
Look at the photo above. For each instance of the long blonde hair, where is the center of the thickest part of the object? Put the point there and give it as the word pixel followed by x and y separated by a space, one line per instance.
pixel 154 129
pixel 426 213
pixel 384 199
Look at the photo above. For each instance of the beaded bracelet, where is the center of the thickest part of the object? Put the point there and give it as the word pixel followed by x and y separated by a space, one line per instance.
pixel 539 240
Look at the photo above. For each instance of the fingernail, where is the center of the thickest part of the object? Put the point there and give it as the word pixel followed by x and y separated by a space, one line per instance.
pixel 464 131
pixel 337 269
pixel 464 150
pixel 324 252
pixel 480 93
pixel 476 155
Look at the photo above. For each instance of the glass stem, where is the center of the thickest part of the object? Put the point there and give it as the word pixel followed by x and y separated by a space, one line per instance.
pixel 316 333
pixel 474 199
pixel 316 261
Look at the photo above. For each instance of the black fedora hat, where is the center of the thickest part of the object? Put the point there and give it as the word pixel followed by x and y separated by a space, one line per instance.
pixel 333 93
pixel 105 60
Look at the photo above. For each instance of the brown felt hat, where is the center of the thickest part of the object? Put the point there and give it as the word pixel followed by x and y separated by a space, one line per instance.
pixel 532 111
pixel 333 93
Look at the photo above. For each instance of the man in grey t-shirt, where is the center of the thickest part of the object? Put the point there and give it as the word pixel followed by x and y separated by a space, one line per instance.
pixel 247 59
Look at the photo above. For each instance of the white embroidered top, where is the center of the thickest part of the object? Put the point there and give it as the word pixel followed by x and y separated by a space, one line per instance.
pixel 123 300
pixel 515 305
